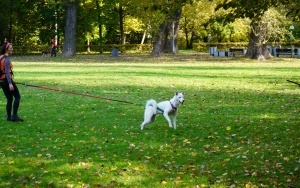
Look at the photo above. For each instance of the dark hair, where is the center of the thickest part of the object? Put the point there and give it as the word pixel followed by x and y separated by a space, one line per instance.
pixel 4 47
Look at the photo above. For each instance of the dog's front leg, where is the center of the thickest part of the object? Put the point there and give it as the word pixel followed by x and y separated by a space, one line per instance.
pixel 166 115
pixel 174 121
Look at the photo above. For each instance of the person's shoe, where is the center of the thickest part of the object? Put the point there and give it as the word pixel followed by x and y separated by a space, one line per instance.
pixel 16 119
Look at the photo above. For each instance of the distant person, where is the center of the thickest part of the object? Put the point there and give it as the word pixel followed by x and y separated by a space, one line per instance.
pixel 8 86
pixel 53 48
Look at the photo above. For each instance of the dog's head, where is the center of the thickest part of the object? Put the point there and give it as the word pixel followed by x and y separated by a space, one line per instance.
pixel 179 97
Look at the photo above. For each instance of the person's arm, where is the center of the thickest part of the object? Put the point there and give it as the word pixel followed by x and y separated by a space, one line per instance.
pixel 7 73
pixel 7 70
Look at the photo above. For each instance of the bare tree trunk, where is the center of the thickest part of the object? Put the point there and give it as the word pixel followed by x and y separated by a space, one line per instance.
pixel 121 20
pixel 69 47
pixel 191 41
pixel 88 46
pixel 158 46
pixel 257 48
pixel 99 20
pixel 171 38
pixel 10 23
pixel 144 36
pixel 143 39
pixel 57 15
pixel 164 40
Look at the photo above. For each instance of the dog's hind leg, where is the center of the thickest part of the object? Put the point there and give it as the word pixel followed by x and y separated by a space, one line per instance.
pixel 145 122
pixel 153 118
pixel 148 118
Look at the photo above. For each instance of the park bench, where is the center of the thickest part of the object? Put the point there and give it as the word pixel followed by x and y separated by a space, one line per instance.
pixel 285 51
pixel 236 51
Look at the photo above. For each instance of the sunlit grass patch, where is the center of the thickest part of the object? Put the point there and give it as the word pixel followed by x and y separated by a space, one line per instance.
pixel 238 126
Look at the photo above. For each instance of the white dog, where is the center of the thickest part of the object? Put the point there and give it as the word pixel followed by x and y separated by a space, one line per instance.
pixel 166 108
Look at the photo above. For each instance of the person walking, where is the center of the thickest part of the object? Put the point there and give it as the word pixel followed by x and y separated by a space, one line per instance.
pixel 8 86
pixel 53 48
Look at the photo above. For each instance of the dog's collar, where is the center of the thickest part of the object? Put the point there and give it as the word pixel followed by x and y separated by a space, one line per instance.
pixel 173 107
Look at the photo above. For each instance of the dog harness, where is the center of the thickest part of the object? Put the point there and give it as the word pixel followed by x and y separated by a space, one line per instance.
pixel 173 108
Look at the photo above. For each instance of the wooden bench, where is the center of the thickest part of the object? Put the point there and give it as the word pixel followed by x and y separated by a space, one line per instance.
pixel 235 51
pixel 285 51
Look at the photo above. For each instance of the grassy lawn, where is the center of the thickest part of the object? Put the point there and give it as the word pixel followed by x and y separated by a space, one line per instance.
pixel 239 125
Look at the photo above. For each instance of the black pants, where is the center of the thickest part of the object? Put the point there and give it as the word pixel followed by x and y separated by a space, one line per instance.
pixel 53 51
pixel 11 105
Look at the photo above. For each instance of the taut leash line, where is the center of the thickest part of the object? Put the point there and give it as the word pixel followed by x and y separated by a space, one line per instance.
pixel 293 82
pixel 75 93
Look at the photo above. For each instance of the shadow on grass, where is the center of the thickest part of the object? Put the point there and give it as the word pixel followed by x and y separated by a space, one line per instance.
pixel 227 134
pixel 224 137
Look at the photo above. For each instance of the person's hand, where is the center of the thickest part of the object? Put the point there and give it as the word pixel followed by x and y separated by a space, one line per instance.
pixel 11 87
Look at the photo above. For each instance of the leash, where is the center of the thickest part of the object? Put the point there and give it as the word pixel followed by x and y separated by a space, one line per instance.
pixel 293 82
pixel 75 93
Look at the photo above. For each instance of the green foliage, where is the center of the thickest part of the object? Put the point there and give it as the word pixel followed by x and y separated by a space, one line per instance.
pixel 237 128
pixel 273 25
pixel 212 24
pixel 239 30
pixel 34 22
pixel 248 9
pixel 190 17
pixel 133 24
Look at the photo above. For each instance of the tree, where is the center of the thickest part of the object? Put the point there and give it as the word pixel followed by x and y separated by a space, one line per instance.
pixel 100 20
pixel 69 47
pixel 192 26
pixel 5 21
pixel 239 30
pixel 51 21
pixel 166 36
pixel 18 18
pixel 293 10
pixel 269 28
pixel 255 10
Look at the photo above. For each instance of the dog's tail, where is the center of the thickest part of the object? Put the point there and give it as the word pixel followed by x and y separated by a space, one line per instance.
pixel 152 103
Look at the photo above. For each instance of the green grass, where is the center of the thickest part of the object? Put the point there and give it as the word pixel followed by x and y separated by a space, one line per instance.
pixel 238 127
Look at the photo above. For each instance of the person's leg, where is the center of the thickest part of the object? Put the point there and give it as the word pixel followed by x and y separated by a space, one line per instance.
pixel 16 104
pixel 17 97
pixel 9 98
pixel 52 52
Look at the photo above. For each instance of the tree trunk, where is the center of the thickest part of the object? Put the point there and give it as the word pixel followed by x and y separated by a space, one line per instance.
pixel 187 41
pixel 121 19
pixel 10 23
pixel 99 12
pixel 257 48
pixel 165 39
pixel 190 45
pixel 171 38
pixel 58 29
pixel 99 17
pixel 69 47
pixel 158 46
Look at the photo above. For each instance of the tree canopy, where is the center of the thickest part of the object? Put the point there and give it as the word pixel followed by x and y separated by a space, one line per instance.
pixel 164 23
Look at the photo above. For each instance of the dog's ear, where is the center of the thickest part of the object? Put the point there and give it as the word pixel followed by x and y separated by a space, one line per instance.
pixel 176 93
pixel 182 92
